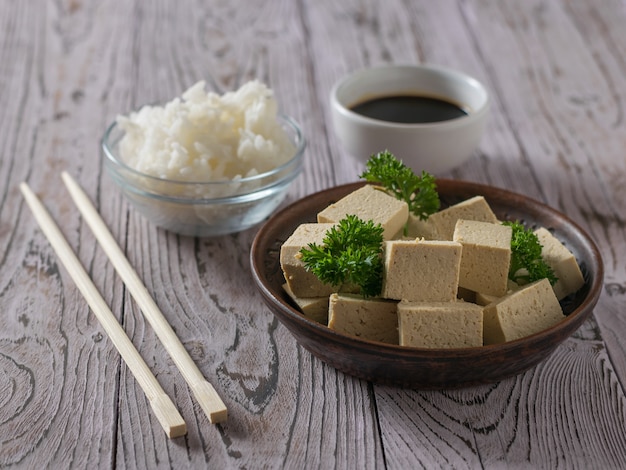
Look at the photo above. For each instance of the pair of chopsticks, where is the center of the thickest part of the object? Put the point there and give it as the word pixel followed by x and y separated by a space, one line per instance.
pixel 163 407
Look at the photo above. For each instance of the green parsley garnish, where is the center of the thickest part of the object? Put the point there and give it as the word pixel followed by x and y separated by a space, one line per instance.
pixel 527 265
pixel 419 192
pixel 351 253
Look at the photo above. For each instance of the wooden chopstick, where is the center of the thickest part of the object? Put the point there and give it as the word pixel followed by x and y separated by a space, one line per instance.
pixel 165 411
pixel 205 394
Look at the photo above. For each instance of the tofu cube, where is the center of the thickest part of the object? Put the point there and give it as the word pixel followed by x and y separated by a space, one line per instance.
pixel 475 208
pixel 314 308
pixel 421 270
pixel 528 310
pixel 440 324
pixel 369 203
pixel 301 282
pixel 562 262
pixel 486 256
pixel 371 319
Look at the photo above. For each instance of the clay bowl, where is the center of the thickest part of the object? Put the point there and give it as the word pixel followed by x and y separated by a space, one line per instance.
pixel 427 368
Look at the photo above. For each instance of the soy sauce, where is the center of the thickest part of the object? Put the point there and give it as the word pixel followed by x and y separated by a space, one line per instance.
pixel 409 109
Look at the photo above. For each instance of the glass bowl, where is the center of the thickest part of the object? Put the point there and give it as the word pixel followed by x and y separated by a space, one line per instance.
pixel 204 208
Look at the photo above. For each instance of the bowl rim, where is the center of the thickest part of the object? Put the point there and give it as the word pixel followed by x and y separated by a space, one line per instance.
pixel 344 110
pixel 107 144
pixel 573 319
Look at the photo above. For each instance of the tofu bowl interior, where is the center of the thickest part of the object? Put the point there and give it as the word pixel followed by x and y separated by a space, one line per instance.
pixel 206 164
pixel 383 359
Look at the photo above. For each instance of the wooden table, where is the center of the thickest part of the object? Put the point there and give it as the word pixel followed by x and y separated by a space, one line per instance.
pixel 557 77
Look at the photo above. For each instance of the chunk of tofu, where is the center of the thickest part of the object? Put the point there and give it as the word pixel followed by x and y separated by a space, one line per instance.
pixel 486 256
pixel 440 324
pixel 314 308
pixel 528 310
pixel 301 282
pixel 372 318
pixel 475 208
pixel 562 262
pixel 421 270
pixel 369 203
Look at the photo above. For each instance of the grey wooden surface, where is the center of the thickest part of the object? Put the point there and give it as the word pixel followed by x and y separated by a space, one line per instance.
pixel 557 76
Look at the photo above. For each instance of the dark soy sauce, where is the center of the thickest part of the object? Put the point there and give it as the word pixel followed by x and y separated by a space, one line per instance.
pixel 409 109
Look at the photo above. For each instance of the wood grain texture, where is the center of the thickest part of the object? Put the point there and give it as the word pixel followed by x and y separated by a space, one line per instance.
pixel 556 72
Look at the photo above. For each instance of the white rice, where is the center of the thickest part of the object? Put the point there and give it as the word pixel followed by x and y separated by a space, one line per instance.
pixel 204 136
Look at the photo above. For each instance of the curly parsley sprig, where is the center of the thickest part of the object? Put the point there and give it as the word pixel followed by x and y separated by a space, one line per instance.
pixel 527 264
pixel 419 192
pixel 351 253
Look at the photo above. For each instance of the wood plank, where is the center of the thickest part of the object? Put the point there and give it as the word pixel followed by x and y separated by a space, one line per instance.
pixel 64 391
pixel 198 283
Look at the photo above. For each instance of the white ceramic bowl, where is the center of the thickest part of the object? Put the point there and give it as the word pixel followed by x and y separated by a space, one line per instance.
pixel 435 147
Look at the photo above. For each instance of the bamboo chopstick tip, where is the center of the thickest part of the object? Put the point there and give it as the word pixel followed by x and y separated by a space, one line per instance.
pixel 178 430
pixel 168 416
pixel 218 416
pixel 210 401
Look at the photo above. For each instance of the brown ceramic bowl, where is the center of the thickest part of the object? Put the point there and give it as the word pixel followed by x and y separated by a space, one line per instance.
pixel 427 368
